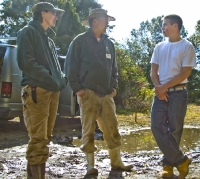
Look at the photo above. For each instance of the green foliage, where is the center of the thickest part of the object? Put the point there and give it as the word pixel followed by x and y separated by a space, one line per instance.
pixel 68 27
pixel 195 40
pixel 194 79
pixel 17 13
pixel 133 88
pixel 142 42
pixel 194 87
pixel 84 6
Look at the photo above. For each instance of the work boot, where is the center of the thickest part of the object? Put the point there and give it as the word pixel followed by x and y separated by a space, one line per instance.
pixel 116 161
pixel 90 164
pixel 167 171
pixel 184 169
pixel 28 170
pixel 38 171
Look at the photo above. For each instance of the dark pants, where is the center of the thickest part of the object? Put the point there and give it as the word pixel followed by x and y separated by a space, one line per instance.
pixel 167 120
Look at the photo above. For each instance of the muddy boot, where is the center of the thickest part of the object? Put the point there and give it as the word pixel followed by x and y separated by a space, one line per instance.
pixel 28 170
pixel 90 164
pixel 184 169
pixel 38 171
pixel 116 161
pixel 167 171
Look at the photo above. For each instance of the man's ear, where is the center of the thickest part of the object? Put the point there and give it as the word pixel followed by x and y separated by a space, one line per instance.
pixel 175 26
pixel 43 14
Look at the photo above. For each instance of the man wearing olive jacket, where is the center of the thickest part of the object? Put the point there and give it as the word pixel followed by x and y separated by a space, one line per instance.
pixel 42 81
pixel 92 72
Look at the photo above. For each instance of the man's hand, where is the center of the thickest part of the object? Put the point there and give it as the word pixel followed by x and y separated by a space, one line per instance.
pixel 114 92
pixel 81 93
pixel 160 89
pixel 163 96
pixel 161 93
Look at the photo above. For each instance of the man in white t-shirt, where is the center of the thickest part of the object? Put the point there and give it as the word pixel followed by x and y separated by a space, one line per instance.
pixel 172 62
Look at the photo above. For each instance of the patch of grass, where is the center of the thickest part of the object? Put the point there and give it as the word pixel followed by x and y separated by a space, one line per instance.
pixel 126 116
pixel 192 114
pixel 124 111
pixel 193 111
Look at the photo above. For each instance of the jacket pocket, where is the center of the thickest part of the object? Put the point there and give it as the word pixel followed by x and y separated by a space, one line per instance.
pixel 84 76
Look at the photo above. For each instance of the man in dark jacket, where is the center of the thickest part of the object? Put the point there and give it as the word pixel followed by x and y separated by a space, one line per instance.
pixel 42 81
pixel 92 72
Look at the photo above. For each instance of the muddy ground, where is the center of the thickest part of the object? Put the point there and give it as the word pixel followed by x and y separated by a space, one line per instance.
pixel 68 162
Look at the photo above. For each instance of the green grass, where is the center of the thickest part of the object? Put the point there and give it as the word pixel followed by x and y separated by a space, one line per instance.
pixel 128 116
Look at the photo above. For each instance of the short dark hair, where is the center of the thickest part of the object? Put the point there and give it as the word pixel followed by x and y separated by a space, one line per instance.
pixel 175 19
pixel 38 16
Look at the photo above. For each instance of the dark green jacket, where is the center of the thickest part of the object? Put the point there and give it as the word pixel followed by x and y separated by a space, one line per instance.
pixel 37 58
pixel 91 64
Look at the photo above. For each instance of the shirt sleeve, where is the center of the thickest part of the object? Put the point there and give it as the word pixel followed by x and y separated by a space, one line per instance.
pixel 189 59
pixel 154 58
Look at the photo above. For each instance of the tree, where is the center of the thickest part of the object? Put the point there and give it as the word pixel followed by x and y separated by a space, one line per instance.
pixel 68 27
pixel 195 40
pixel 133 88
pixel 70 23
pixel 194 87
pixel 84 6
pixel 15 14
pixel 194 79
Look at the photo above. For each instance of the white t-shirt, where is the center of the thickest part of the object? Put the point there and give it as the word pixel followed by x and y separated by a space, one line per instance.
pixel 171 57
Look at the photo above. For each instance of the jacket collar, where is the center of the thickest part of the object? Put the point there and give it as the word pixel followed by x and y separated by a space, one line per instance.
pixel 38 26
pixel 90 32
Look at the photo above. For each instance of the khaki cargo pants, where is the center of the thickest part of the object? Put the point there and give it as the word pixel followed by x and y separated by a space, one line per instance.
pixel 101 109
pixel 39 119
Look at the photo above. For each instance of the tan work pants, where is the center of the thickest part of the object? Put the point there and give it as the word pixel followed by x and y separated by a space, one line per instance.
pixel 101 109
pixel 39 119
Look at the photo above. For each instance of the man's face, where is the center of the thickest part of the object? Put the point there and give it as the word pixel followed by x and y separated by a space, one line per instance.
pixel 50 18
pixel 167 28
pixel 102 23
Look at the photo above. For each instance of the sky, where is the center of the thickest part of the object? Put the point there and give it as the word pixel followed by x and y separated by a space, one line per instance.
pixel 130 13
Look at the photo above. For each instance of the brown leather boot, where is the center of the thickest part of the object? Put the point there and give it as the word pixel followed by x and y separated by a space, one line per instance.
pixel 38 171
pixel 28 170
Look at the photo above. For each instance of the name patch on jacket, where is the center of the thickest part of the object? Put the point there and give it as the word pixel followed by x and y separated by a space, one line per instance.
pixel 108 55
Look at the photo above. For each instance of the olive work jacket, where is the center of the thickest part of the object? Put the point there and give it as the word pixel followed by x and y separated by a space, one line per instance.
pixel 38 60
pixel 91 64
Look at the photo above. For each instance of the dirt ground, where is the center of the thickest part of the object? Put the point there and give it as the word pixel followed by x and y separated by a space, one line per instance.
pixel 68 161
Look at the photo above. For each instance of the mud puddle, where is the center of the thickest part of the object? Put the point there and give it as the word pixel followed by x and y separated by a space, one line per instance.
pixel 143 140
pixel 68 161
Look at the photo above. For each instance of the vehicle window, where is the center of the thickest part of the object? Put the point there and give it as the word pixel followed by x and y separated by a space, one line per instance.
pixel 2 53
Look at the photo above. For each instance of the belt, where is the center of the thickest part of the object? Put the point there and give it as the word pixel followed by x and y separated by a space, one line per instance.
pixel 177 88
